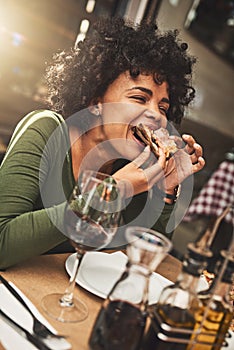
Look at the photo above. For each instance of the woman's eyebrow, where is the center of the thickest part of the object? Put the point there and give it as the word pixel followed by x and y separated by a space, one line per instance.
pixel 148 91
pixel 166 100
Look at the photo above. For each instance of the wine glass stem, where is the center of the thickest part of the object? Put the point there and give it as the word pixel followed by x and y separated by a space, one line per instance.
pixel 67 298
pixel 146 291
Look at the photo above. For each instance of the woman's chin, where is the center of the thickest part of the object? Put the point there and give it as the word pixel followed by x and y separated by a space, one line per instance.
pixel 126 149
pixel 130 154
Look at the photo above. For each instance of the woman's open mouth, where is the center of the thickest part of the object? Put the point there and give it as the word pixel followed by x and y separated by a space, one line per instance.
pixel 156 139
pixel 137 137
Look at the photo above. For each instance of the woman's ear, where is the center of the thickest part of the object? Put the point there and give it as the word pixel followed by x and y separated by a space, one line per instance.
pixel 96 109
pixel 99 104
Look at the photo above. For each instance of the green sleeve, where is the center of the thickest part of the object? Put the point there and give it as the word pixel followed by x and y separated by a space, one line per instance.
pixel 162 222
pixel 149 210
pixel 25 227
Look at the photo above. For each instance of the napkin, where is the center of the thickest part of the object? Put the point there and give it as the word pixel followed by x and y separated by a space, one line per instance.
pixel 230 341
pixel 12 307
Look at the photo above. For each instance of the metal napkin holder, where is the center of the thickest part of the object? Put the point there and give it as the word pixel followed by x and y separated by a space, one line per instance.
pixel 171 334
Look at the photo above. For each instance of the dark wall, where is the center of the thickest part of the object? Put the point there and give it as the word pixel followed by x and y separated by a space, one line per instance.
pixel 215 145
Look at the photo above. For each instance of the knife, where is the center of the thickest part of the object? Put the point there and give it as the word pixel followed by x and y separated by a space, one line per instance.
pixel 23 332
pixel 52 343
pixel 16 295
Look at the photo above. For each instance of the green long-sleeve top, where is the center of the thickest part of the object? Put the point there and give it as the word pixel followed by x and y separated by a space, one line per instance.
pixel 32 199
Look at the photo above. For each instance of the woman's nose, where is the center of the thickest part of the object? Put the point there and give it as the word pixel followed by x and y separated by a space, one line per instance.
pixel 156 117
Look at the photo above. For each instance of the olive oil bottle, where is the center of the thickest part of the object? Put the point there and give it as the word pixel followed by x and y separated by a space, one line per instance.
pixel 213 319
pixel 172 319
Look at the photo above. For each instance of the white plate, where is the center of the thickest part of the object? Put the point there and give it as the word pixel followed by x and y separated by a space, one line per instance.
pixel 99 271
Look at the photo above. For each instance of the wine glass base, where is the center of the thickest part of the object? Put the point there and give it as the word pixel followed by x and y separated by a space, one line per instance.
pixel 76 312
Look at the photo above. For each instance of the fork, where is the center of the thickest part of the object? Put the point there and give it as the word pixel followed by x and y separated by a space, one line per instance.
pixel 38 328
pixel 23 332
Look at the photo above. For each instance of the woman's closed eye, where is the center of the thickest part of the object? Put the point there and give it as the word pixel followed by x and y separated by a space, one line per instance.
pixel 138 98
pixel 163 110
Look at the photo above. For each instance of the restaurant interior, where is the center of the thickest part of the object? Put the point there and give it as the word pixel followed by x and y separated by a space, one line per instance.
pixel 31 31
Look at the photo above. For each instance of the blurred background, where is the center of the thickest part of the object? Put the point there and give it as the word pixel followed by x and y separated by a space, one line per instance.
pixel 32 30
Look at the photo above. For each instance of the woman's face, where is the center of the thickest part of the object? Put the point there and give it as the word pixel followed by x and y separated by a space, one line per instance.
pixel 128 102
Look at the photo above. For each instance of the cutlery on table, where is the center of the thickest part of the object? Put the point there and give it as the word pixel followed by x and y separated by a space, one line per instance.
pixel 23 332
pixel 38 328
pixel 47 337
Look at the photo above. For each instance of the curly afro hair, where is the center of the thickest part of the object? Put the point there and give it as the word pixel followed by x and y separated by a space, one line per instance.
pixel 112 46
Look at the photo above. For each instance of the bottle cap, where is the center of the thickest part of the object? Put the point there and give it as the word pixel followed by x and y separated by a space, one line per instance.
pixel 193 265
pixel 229 270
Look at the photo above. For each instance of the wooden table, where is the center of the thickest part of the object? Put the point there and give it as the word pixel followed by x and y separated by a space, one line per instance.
pixel 46 274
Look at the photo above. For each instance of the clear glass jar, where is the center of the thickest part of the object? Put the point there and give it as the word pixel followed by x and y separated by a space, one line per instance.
pixel 121 321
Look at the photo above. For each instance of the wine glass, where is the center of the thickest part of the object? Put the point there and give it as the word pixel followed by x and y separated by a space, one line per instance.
pixel 91 219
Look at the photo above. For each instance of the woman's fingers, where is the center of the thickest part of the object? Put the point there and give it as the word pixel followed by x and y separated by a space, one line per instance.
pixel 195 151
pixel 189 148
pixel 198 165
pixel 154 173
pixel 143 157
pixel 138 176
pixel 198 150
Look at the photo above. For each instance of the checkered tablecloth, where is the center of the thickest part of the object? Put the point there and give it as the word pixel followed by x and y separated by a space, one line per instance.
pixel 215 196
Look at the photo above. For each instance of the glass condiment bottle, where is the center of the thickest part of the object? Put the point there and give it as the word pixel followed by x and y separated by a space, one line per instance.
pixel 172 319
pixel 215 316
pixel 121 321
pixel 206 242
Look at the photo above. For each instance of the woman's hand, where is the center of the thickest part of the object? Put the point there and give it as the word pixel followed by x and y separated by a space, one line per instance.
pixel 185 162
pixel 142 173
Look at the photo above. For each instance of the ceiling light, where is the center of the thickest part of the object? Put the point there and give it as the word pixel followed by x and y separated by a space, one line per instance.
pixel 84 26
pixel 90 6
